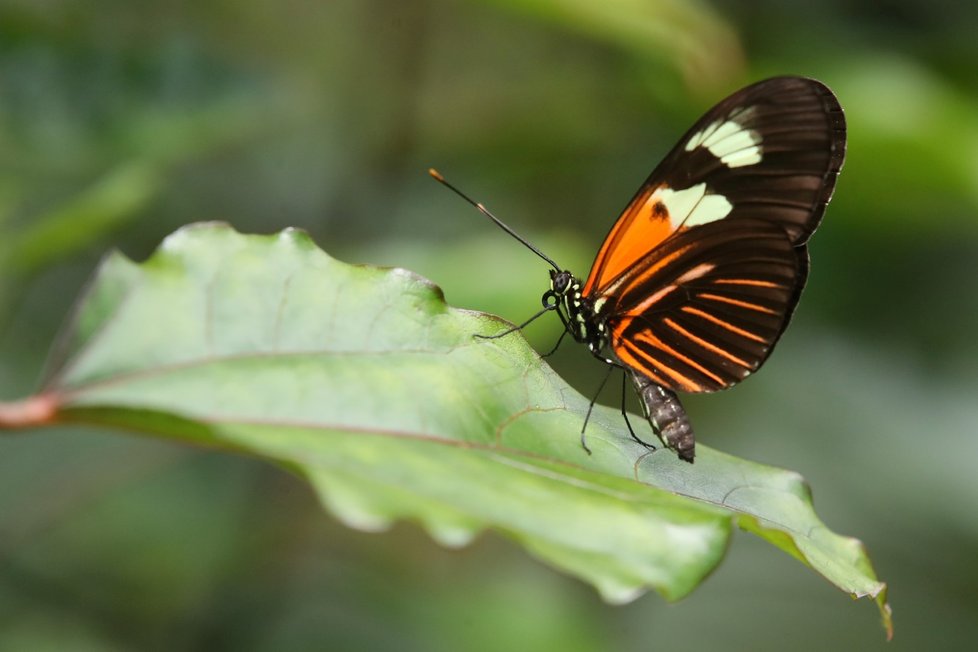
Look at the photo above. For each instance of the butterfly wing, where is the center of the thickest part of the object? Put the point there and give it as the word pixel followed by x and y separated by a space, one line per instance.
pixel 770 152
pixel 705 308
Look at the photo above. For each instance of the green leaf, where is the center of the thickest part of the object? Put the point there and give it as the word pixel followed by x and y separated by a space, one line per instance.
pixel 363 381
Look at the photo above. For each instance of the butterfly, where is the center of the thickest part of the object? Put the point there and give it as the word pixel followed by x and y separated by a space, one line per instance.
pixel 699 276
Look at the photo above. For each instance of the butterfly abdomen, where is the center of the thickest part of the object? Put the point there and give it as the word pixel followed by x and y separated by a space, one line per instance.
pixel 667 416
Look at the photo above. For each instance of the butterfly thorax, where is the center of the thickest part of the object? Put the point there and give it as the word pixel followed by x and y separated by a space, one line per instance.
pixel 576 311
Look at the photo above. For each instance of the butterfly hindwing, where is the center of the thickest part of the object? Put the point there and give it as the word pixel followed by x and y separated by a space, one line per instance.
pixel 770 152
pixel 705 308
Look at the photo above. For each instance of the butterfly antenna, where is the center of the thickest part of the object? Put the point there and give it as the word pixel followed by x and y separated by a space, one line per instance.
pixel 436 175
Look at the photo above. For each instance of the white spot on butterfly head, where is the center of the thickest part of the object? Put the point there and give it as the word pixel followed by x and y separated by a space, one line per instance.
pixel 728 140
pixel 693 206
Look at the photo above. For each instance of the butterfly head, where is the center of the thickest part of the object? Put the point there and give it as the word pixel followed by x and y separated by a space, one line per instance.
pixel 576 312
pixel 564 291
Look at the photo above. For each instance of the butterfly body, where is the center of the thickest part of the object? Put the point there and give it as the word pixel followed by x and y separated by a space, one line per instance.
pixel 667 416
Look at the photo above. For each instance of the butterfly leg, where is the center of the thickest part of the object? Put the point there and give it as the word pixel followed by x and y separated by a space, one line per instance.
pixel 556 346
pixel 590 407
pixel 624 414
pixel 515 328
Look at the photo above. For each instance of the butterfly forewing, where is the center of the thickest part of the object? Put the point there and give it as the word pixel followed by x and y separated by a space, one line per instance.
pixel 706 307
pixel 769 152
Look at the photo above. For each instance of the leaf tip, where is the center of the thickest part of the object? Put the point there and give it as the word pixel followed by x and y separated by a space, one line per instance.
pixel 619 594
pixel 176 238
pixel 296 236
pixel 423 285
pixel 451 536
pixel 886 611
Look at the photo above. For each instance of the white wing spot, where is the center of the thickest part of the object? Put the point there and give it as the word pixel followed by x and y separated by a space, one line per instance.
pixel 729 140
pixel 693 206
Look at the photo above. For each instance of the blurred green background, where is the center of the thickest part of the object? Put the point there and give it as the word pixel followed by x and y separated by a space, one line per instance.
pixel 121 121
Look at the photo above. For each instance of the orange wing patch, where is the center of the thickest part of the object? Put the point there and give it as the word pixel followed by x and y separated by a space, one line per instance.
pixel 641 227
pixel 655 214
pixel 652 360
